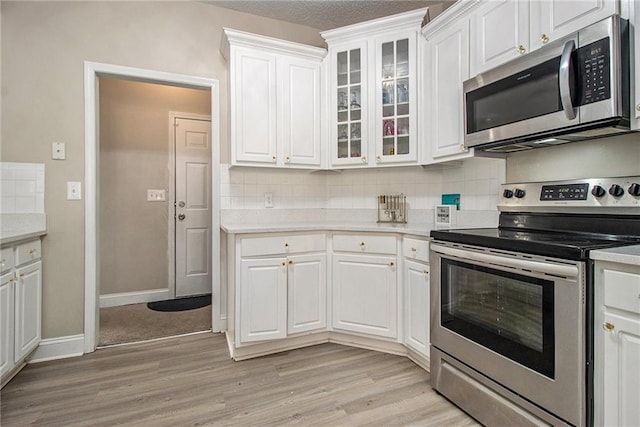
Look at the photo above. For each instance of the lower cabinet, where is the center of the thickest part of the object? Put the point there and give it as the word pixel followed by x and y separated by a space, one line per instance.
pixel 306 293
pixel 365 294
pixel 20 305
pixel 416 306
pixel 617 352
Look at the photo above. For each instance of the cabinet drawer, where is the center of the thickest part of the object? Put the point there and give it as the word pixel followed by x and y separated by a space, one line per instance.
pixel 28 251
pixel 276 245
pixel 415 249
pixel 365 243
pixel 622 290
pixel 6 259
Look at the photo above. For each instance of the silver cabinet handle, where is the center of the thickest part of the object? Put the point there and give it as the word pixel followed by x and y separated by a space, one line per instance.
pixel 181 217
pixel 563 77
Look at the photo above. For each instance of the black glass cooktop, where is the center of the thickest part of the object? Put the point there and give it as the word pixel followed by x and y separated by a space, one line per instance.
pixel 567 238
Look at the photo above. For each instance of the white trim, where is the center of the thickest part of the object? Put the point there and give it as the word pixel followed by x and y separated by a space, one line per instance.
pixel 58 348
pixel 125 344
pixel 255 41
pixel 374 27
pixel 91 71
pixel 171 196
pixel 138 297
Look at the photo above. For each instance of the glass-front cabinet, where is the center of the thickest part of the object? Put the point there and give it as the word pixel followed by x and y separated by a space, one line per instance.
pixel 372 88
pixel 350 142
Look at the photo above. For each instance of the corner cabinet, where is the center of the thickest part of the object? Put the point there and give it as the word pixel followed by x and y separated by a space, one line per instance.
pixel 373 77
pixel 20 305
pixel 416 282
pixel 275 90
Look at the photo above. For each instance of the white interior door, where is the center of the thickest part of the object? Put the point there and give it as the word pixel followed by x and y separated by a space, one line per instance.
pixel 193 206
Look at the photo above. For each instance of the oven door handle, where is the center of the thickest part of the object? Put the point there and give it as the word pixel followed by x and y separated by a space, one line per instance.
pixel 533 266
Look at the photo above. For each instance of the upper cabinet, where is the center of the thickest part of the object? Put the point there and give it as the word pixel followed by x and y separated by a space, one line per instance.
pixel 275 101
pixel 372 91
pixel 505 29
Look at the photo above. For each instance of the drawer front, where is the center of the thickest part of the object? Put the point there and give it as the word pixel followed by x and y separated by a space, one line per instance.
pixel 28 251
pixel 415 249
pixel 365 243
pixel 622 290
pixel 6 259
pixel 283 245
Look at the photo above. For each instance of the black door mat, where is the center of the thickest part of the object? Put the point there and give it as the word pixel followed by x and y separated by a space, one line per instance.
pixel 181 304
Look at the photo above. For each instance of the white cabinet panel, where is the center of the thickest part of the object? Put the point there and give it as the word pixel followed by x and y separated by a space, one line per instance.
pixel 365 294
pixel 28 306
pixel 263 299
pixel 307 299
pixel 416 306
pixel 6 323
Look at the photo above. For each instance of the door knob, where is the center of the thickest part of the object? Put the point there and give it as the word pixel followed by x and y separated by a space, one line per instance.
pixel 181 204
pixel 181 217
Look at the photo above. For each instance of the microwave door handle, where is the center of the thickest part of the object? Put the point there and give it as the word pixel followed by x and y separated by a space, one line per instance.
pixel 563 77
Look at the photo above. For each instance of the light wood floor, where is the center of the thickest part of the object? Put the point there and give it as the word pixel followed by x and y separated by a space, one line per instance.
pixel 192 381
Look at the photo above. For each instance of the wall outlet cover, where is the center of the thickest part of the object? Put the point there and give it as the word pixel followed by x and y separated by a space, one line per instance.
pixel 58 151
pixel 74 190
pixel 156 195
pixel 268 200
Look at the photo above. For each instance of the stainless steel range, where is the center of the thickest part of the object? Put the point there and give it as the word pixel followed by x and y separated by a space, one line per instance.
pixel 512 307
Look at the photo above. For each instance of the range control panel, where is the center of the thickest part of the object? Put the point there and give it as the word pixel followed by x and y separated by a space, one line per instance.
pixel 593 194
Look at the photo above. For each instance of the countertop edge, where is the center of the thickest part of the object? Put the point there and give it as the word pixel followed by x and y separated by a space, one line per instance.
pixel 415 230
pixel 621 255
pixel 22 236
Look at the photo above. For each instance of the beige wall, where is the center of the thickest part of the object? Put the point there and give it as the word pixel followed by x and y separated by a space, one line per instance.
pixel 44 46
pixel 134 157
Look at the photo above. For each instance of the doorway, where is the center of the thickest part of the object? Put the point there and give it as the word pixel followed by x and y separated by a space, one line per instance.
pixel 93 234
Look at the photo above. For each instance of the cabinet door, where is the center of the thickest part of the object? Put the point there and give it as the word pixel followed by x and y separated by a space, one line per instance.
pixel 500 32
pixel 448 58
pixel 28 309
pixel 621 374
pixel 365 294
pixel 348 103
pixel 395 78
pixel 6 323
pixel 416 306
pixel 253 107
pixel 263 299
pixel 554 19
pixel 299 110
pixel 307 284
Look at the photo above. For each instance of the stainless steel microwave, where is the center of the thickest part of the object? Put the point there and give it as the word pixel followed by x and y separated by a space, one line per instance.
pixel 572 89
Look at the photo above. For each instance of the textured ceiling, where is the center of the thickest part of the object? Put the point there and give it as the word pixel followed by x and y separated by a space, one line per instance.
pixel 329 14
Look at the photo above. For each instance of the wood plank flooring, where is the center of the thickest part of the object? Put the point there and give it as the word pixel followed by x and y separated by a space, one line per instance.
pixel 191 380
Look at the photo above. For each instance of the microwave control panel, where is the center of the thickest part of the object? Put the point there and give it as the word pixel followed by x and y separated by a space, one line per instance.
pixel 593 72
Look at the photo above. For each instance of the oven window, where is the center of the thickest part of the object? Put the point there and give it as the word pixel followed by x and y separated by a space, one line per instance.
pixel 505 312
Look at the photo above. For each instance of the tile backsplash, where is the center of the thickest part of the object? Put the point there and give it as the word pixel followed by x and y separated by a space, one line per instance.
pixel 22 188
pixel 476 180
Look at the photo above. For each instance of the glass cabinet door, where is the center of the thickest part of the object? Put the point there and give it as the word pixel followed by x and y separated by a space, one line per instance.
pixel 395 121
pixel 349 108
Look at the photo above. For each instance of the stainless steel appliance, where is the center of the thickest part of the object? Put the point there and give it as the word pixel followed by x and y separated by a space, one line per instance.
pixel 512 307
pixel 575 88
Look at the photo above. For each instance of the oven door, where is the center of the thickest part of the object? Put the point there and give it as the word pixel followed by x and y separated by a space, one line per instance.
pixel 514 318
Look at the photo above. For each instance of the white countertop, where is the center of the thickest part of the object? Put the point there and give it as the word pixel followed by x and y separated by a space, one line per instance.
pixel 622 255
pixel 16 227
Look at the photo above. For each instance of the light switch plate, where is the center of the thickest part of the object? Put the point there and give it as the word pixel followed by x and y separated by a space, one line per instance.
pixel 156 195
pixel 58 151
pixel 74 190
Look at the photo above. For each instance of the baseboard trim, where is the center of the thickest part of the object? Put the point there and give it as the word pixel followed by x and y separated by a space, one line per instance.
pixel 58 348
pixel 138 297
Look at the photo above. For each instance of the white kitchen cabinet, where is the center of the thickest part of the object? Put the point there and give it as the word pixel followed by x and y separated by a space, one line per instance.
pixel 415 280
pixel 617 349
pixel 505 29
pixel 20 305
pixel 365 284
pixel 282 287
pixel 275 101
pixel 500 32
pixel 446 54
pixel 373 79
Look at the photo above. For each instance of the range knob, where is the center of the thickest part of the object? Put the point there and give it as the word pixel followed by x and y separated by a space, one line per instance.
pixel 519 193
pixel 616 190
pixel 598 191
pixel 634 189
pixel 507 194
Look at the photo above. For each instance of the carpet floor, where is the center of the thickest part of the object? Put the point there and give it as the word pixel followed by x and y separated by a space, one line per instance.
pixel 136 322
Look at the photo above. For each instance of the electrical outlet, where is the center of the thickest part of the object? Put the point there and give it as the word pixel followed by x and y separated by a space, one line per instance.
pixel 58 151
pixel 268 200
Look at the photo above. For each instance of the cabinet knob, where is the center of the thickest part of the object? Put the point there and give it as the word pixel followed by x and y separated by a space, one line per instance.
pixel 638 107
pixel 425 272
pixel 12 280
pixel 391 264
pixel 290 262
pixel 413 249
pixel 286 246
pixel 378 159
pixel 608 326
pixel 521 49
pixel 544 38
pixel 21 275
pixel 32 251
pixel 362 245
pixel 364 159
pixel 287 159
pixel 284 263
pixel 273 158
